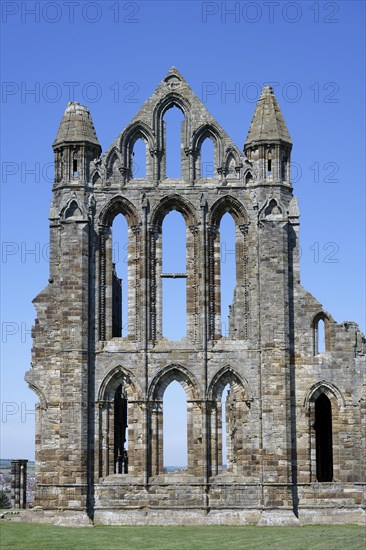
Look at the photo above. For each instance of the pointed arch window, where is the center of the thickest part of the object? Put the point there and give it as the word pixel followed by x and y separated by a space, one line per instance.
pixel 120 431
pixel 269 163
pixel 118 448
pixel 75 167
pixel 321 334
pixel 207 154
pixel 173 265
pixel 118 263
pixel 207 147
pixel 174 291
pixel 174 439
pixel 139 159
pixel 119 276
pixel 227 270
pixel 175 443
pixel 173 126
pixel 325 423
pixel 228 416
pixel 323 435
pixel 231 167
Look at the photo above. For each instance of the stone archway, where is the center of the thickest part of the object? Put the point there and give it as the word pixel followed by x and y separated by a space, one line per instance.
pixel 194 419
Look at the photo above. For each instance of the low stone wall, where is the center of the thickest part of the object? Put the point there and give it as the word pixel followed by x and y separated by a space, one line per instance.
pixel 161 517
pixel 194 503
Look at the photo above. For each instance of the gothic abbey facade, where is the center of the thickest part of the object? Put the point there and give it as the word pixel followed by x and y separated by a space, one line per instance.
pixel 295 415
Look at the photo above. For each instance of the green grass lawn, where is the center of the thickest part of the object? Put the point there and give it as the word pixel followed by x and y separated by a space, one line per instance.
pixel 319 537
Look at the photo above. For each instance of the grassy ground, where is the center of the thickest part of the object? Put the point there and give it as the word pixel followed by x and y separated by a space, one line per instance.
pixel 21 536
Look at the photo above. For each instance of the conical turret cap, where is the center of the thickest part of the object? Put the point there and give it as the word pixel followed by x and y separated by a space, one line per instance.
pixel 268 124
pixel 76 125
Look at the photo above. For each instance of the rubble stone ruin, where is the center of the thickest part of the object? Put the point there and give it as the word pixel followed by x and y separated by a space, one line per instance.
pixel 295 413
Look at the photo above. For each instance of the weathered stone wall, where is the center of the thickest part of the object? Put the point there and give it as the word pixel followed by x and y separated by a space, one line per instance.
pixel 269 358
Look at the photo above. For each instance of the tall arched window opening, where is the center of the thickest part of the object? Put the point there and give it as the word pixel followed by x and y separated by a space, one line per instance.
pixel 119 449
pixel 120 276
pixel 227 269
pixel 224 424
pixel 172 123
pixel 174 308
pixel 139 160
pixel 75 167
pixel 324 444
pixel 175 435
pixel 120 432
pixel 269 163
pixel 321 334
pixel 207 159
pixel 227 421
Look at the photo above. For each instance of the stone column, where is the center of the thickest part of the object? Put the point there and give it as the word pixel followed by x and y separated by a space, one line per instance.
pixel 214 299
pixel 105 439
pixel 19 484
pixel 156 442
pixel 215 437
pixel 104 234
pixel 134 283
pixel 242 260
pixel 192 284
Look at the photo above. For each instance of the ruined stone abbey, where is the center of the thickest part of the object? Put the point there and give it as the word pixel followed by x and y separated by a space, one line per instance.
pixel 295 413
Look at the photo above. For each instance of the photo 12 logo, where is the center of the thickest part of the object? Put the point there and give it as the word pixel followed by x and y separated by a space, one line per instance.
pixel 291 92
pixel 11 410
pixel 53 92
pixel 70 12
pixel 269 12
pixel 26 172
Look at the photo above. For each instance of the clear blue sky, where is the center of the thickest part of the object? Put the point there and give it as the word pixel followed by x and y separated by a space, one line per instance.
pixel 110 56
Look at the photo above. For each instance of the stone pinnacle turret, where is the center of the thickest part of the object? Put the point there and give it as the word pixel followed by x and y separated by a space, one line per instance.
pixel 76 145
pixel 268 144
pixel 76 126
pixel 268 124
